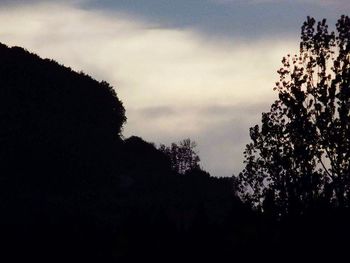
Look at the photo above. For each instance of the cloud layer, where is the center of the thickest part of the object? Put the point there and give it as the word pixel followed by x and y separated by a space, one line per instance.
pixel 175 83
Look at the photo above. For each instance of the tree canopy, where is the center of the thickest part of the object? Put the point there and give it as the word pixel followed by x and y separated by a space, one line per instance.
pixel 183 156
pixel 299 156
pixel 71 187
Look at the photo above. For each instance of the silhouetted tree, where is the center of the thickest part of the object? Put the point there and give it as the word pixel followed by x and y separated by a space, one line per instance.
pixel 183 156
pixel 59 151
pixel 300 155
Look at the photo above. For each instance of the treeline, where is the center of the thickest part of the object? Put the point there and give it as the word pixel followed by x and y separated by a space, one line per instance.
pixel 72 188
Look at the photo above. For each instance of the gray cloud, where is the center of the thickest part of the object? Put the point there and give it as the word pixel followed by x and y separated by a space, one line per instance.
pixel 156 112
pixel 232 110
pixel 251 18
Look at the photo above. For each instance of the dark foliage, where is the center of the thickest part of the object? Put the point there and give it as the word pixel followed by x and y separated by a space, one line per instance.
pixel 298 164
pixel 72 189
pixel 59 136
pixel 299 158
pixel 183 156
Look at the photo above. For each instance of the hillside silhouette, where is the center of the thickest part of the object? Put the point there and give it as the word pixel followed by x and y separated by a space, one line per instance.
pixel 73 188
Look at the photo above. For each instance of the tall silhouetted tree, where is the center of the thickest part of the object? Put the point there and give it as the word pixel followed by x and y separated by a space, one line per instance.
pixel 300 155
pixel 183 156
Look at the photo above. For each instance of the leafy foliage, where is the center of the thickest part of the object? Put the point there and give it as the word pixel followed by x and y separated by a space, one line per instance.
pixel 300 155
pixel 183 156
pixel 59 141
pixel 72 188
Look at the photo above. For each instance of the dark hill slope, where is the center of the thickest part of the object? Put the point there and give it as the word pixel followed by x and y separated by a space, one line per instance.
pixel 72 189
pixel 50 106
pixel 59 148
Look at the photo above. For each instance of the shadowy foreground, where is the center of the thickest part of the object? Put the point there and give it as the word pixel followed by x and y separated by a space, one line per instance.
pixel 71 188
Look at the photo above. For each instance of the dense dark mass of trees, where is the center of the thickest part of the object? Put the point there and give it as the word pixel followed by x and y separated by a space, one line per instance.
pixel 72 188
pixel 298 163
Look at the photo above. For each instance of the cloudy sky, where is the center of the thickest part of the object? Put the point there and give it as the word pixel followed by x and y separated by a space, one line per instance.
pixel 203 69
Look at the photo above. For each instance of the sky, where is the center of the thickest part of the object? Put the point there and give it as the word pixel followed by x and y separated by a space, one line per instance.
pixel 199 69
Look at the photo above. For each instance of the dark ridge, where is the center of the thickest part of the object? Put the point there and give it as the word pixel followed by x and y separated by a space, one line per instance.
pixel 72 189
